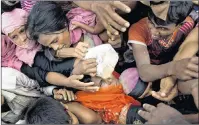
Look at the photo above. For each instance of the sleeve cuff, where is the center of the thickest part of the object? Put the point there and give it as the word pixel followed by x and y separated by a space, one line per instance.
pixel 135 42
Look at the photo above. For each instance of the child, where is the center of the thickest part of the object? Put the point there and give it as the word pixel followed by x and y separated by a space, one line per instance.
pixel 49 111
pixel 26 56
pixel 155 42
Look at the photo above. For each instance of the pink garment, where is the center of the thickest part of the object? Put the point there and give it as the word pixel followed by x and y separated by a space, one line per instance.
pixel 82 16
pixel 13 20
pixel 27 5
pixel 17 18
pixel 129 79
pixel 27 55
pixel 8 57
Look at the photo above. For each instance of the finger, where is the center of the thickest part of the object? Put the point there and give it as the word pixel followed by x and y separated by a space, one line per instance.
pixel 91 65
pixel 108 24
pixel 144 114
pixel 164 91
pixel 90 61
pixel 193 67
pixel 58 97
pixel 91 70
pixel 191 73
pixel 68 95
pixel 116 16
pixel 157 96
pixel 82 49
pixel 114 24
pixel 64 93
pixel 93 74
pixel 72 95
pixel 85 45
pixel 82 84
pixel 195 60
pixel 121 6
pixel 149 108
pixel 79 53
pixel 77 77
pixel 160 105
pixel 89 89
pixel 111 36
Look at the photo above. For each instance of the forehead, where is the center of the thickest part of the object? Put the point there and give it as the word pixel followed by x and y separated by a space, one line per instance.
pixel 16 30
pixel 46 39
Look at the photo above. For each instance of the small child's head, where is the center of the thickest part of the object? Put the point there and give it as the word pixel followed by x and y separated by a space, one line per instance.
pixel 47 23
pixel 47 111
pixel 177 13
pixel 13 25
pixel 133 85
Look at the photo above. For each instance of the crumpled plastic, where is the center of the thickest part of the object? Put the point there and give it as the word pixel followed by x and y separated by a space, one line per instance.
pixel 106 58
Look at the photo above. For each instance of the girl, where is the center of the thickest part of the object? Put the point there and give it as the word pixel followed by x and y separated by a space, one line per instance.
pixel 27 58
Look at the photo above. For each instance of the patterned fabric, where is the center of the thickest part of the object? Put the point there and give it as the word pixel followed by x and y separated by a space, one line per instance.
pixel 160 51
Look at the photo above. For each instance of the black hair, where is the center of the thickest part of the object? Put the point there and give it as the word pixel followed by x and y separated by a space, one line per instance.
pixel 7 6
pixel 45 17
pixel 46 111
pixel 177 13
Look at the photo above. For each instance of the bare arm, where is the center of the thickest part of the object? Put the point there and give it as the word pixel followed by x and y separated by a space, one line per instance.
pixel 147 71
pixel 98 28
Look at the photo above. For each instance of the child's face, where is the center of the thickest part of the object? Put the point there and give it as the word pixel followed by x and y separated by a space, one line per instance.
pixel 56 39
pixel 19 37
pixel 159 32
pixel 103 83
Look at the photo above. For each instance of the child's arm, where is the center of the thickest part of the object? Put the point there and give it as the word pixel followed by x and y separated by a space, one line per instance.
pixel 188 49
pixel 98 28
pixel 84 114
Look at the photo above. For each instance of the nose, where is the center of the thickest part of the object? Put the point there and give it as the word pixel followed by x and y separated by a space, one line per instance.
pixel 22 38
pixel 155 32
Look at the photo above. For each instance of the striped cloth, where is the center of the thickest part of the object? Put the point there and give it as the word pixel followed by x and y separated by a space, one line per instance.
pixel 27 5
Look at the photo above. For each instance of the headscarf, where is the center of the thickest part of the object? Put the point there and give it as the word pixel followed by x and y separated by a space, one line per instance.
pixel 13 20
pixel 8 57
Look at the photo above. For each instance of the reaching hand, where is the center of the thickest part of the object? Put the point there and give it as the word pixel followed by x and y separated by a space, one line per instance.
pixel 186 69
pixel 105 11
pixel 172 93
pixel 63 94
pixel 80 50
pixel 86 67
pixel 162 114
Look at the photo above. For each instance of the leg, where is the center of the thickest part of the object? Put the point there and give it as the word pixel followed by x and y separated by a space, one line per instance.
pixel 189 87
pixel 84 114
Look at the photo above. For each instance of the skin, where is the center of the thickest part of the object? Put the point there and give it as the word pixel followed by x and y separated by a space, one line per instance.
pixel 188 49
pixel 19 36
pixel 162 114
pixel 174 68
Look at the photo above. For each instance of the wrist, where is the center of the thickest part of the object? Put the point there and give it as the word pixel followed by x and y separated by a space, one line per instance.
pixel 171 69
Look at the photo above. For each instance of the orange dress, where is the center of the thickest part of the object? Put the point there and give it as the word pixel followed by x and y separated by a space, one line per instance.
pixel 108 102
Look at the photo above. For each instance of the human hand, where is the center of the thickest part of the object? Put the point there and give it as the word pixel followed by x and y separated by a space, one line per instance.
pixel 173 93
pixel 75 25
pixel 105 11
pixel 73 82
pixel 63 94
pixel 114 40
pixel 162 114
pixel 86 67
pixel 166 85
pixel 186 69
pixel 80 50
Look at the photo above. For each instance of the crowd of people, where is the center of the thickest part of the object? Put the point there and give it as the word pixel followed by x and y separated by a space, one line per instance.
pixel 99 62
